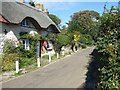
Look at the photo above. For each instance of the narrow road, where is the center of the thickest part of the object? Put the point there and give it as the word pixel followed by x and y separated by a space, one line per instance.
pixel 69 72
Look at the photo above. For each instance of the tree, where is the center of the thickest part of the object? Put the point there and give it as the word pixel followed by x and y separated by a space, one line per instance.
pixel 85 22
pixel 55 19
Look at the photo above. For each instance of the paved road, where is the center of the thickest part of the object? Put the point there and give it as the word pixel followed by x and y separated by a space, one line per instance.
pixel 69 72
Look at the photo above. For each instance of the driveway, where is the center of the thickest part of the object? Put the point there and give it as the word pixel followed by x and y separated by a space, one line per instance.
pixel 69 72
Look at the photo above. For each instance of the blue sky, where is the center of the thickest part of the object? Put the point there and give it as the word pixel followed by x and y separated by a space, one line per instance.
pixel 65 9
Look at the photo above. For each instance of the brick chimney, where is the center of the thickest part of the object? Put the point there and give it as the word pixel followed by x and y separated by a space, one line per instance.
pixel 39 6
pixel 42 7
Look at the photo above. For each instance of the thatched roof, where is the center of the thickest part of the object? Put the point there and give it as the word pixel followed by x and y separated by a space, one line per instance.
pixel 15 12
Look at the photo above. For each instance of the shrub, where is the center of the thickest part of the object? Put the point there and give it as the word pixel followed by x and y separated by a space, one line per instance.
pixel 86 39
pixel 109 48
pixel 9 62
pixel 9 46
pixel 9 56
pixel 24 62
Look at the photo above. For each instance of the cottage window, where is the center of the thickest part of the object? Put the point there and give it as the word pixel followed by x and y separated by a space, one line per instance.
pixel 25 43
pixel 25 23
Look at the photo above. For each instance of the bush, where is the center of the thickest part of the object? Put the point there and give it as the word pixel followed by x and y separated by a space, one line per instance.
pixel 62 39
pixel 9 56
pixel 9 46
pixel 86 39
pixel 9 62
pixel 108 46
pixel 24 62
pixel 13 53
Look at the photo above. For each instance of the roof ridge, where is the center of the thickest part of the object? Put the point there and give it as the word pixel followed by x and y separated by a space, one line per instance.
pixel 27 5
pixel 34 8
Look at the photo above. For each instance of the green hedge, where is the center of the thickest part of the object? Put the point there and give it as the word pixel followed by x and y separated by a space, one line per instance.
pixel 108 46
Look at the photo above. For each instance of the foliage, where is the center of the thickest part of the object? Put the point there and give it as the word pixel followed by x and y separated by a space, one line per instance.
pixel 55 19
pixel 85 22
pixel 65 38
pixel 8 46
pixel 108 46
pixel 13 53
pixel 62 39
pixel 86 39
pixel 28 57
pixel 59 40
pixel 9 56
pixel 34 37
pixel 9 62
pixel 24 62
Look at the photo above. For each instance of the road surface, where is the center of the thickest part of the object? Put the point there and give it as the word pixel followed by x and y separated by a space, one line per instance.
pixel 69 72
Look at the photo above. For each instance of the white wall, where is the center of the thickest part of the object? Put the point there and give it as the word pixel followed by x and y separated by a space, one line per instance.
pixel 13 32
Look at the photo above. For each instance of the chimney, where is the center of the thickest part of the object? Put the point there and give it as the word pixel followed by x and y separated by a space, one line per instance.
pixel 42 7
pixel 39 6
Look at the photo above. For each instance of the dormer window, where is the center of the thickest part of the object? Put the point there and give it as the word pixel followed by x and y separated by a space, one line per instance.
pixel 26 23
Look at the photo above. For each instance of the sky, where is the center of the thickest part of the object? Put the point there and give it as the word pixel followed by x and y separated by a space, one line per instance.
pixel 64 8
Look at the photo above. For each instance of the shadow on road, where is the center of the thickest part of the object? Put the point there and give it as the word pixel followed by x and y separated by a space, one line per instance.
pixel 92 74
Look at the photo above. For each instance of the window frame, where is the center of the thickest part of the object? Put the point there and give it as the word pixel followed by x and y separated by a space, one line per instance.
pixel 26 23
pixel 26 44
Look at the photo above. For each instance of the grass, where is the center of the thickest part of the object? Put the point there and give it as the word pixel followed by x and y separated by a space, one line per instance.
pixel 47 57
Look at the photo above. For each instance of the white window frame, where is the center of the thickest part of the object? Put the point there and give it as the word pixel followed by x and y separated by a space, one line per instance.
pixel 25 43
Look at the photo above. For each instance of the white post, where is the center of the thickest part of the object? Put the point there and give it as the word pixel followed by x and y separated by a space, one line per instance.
pixel 38 54
pixel 38 62
pixel 50 58
pixel 17 66
pixel 57 55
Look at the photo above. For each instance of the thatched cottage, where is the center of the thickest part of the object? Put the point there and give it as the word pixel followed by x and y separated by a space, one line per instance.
pixel 16 18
